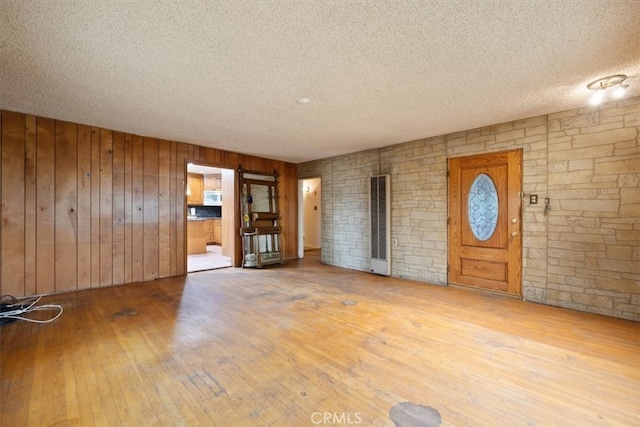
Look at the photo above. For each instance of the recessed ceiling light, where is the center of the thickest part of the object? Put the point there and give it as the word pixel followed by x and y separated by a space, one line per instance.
pixel 303 100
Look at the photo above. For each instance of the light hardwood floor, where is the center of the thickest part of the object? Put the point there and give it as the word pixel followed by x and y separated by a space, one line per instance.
pixel 306 344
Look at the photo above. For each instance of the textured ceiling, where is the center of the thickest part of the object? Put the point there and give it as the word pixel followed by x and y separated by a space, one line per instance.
pixel 227 74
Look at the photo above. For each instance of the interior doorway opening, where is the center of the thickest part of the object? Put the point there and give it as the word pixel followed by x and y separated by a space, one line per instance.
pixel 310 216
pixel 210 211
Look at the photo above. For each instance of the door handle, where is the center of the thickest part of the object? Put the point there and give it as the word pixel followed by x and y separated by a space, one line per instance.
pixel 514 234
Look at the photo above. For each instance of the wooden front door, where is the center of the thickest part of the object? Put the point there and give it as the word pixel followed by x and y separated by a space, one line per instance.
pixel 485 212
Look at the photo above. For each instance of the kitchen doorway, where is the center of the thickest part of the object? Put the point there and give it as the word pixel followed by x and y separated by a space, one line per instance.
pixel 210 211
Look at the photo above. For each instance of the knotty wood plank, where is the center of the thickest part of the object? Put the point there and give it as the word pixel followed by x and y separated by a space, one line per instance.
pixel 200 153
pixel 182 152
pixel 137 231
pixel 95 207
pixel 45 215
pixel 66 206
pixel 13 197
pixel 151 229
pixel 289 196
pixel 84 206
pixel 106 207
pixel 164 208
pixel 174 193
pixel 118 188
pixel 128 208
pixel 30 207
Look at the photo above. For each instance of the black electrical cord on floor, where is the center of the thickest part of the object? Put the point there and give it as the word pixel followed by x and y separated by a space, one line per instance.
pixel 12 309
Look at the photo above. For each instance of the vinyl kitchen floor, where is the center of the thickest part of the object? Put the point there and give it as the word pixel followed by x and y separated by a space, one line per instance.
pixel 211 260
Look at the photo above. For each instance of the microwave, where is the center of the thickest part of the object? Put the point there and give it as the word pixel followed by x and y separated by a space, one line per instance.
pixel 212 198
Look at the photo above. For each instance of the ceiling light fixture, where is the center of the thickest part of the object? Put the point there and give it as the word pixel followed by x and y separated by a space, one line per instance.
pixel 601 85
pixel 303 100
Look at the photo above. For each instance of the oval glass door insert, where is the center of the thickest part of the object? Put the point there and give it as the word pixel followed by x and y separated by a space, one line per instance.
pixel 483 207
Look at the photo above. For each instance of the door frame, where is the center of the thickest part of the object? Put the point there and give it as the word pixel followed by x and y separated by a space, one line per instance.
pixel 233 243
pixel 301 212
pixel 300 218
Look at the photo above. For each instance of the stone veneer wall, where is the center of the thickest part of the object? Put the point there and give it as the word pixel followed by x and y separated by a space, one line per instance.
pixel 594 233
pixel 584 255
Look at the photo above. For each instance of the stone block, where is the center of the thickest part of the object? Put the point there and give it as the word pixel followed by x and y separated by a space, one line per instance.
pixel 628 236
pixel 587 205
pixel 582 282
pixel 510 135
pixel 626 148
pixel 605 125
pixel 620 109
pixel 532 144
pixel 584 193
pixel 564 178
pixel 604 137
pixel 604 181
pixel 632 119
pixel 621 285
pixel 556 138
pixel 629 210
pixel 590 264
pixel 578 121
pixel 630 195
pixel 564 254
pixel 558 167
pixel 592 152
pixel 561 270
pixel 591 230
pixel 629 165
pixel 469 149
pixel 569 263
pixel 559 295
pixel 582 238
pixel 536 130
pixel 581 164
pixel 561 115
pixel 593 300
pixel 618 265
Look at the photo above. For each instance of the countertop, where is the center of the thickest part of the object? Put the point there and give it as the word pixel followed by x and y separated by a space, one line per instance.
pixel 202 218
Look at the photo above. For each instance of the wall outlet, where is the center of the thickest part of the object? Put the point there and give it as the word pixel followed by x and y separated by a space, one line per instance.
pixel 394 242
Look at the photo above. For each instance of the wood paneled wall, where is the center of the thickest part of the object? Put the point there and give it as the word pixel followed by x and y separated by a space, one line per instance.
pixel 84 207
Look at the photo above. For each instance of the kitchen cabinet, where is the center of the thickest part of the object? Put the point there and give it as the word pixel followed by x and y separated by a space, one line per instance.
pixel 194 189
pixel 208 231
pixel 196 243
pixel 213 182
pixel 217 231
pixel 213 231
